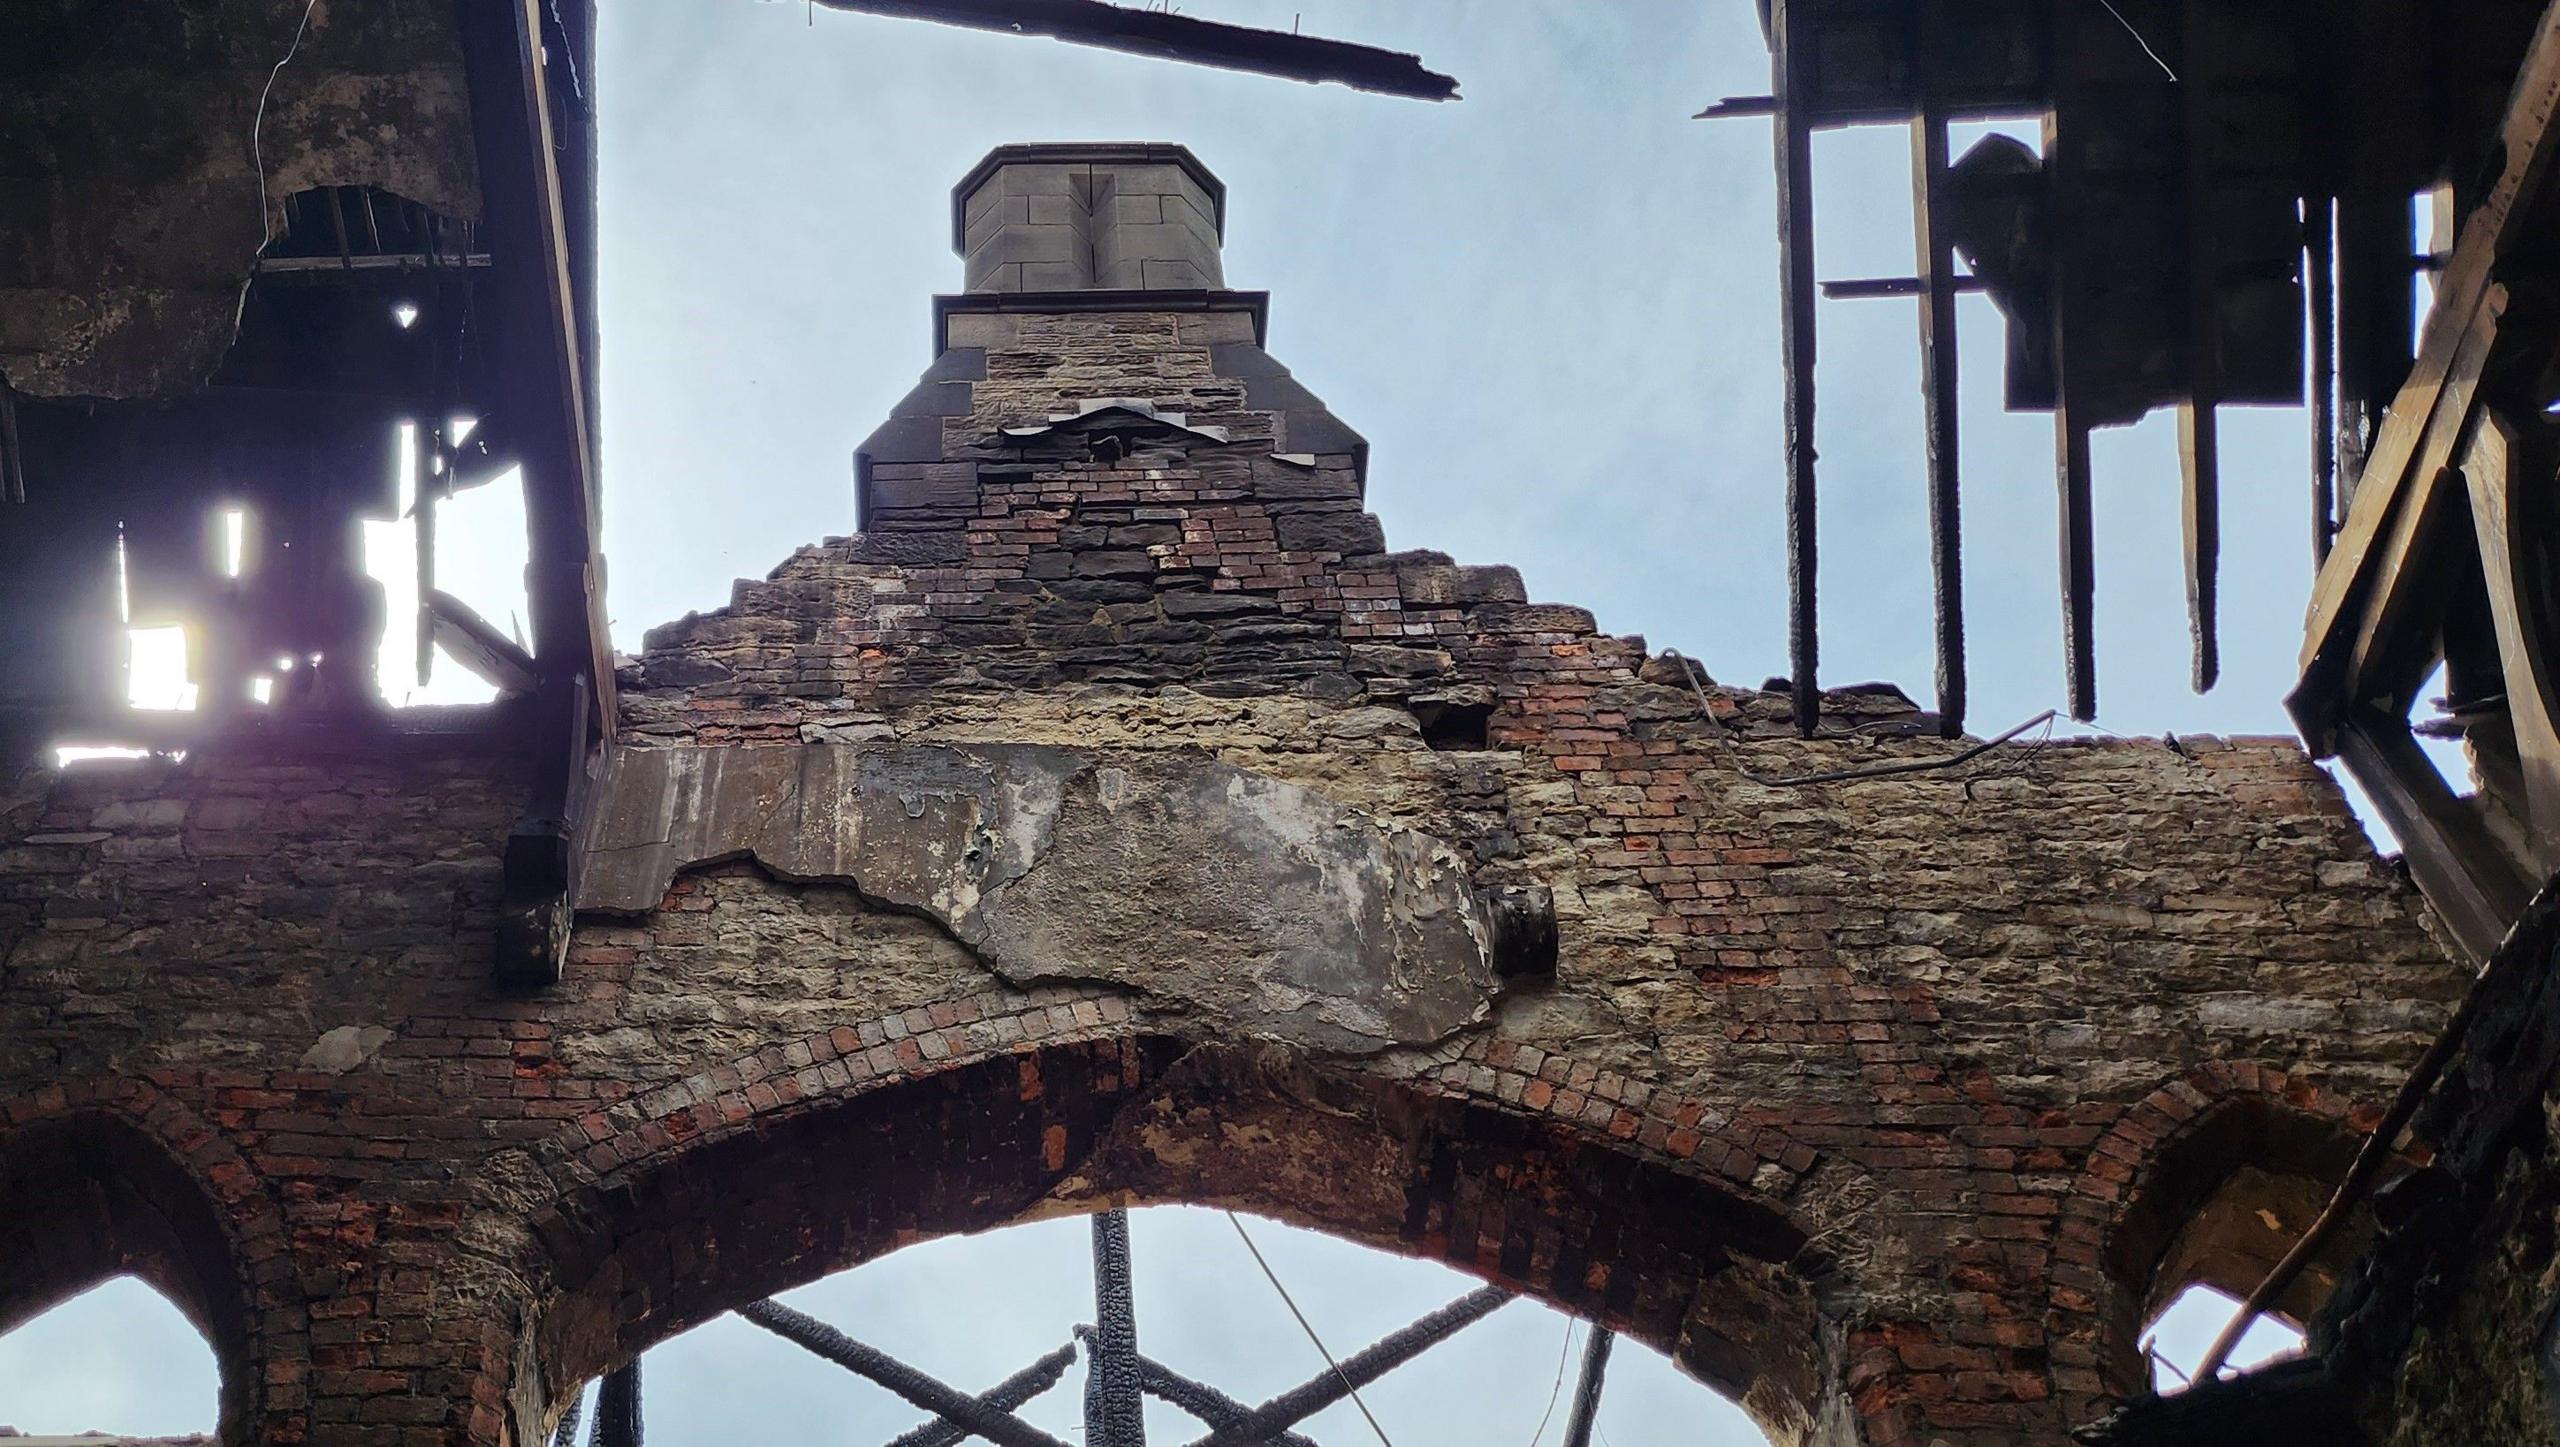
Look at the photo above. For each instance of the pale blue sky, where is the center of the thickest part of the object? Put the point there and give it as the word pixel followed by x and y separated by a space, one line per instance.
pixel 1551 308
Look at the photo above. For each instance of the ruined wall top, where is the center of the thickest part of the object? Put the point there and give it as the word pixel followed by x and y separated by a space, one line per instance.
pixel 1088 217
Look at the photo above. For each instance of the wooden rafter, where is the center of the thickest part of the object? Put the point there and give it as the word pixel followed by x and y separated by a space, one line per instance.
pixel 1166 34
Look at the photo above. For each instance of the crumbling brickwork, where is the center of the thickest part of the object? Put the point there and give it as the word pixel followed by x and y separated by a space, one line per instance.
pixel 1876 1102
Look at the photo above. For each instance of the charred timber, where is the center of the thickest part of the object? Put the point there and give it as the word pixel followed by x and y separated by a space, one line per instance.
pixel 1163 35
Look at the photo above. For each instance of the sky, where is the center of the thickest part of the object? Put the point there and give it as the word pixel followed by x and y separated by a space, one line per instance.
pixel 1551 307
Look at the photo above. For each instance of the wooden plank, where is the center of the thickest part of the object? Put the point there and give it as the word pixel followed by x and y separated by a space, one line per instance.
pixel 2528 142
pixel 1791 65
pixel 2473 888
pixel 2394 594
pixel 2199 426
pixel 2071 434
pixel 458 629
pixel 2510 554
pixel 1938 390
pixel 2320 290
pixel 541 369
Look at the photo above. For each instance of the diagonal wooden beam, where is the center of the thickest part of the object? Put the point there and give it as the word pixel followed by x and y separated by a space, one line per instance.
pixel 819 1339
pixel 1166 35
pixel 2509 551
pixel 2427 420
pixel 1004 1396
pixel 1360 1369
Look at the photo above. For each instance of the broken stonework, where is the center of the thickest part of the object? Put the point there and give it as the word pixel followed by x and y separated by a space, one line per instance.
pixel 1260 903
pixel 1114 819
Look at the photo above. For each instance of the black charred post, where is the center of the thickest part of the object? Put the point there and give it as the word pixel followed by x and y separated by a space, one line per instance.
pixel 1586 1394
pixel 1114 1407
pixel 1796 341
pixel 1004 1396
pixel 819 1339
pixel 618 1408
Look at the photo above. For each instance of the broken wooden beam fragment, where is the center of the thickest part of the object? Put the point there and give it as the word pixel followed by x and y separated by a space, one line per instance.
pixel 1791 68
pixel 2199 422
pixel 472 642
pixel 1938 390
pixel 2471 885
pixel 1865 288
pixel 1167 35
pixel 2070 413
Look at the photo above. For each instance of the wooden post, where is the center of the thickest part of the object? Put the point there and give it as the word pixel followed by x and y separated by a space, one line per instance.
pixel 2071 434
pixel 1791 85
pixel 2320 288
pixel 1938 379
pixel 2199 430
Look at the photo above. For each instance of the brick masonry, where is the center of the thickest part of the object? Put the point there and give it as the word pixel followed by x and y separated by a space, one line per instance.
pixel 1876 1103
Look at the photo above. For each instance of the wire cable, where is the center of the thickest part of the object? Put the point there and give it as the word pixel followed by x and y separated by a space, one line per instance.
pixel 1563 1355
pixel 1304 1325
pixel 257 156
pixel 2138 40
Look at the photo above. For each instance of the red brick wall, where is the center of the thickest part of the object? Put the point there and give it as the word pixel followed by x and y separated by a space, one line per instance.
pixel 1842 1092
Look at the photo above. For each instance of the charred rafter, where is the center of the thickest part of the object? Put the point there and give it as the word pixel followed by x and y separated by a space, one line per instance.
pixel 1162 34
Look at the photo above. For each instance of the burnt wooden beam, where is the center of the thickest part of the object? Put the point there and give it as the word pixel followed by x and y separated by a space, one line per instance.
pixel 1791 64
pixel 1166 35
pixel 1586 1392
pixel 538 363
pixel 1939 284
pixel 1211 1406
pixel 2431 413
pixel 1866 287
pixel 618 1422
pixel 2320 289
pixel 2199 423
pixel 2070 429
pixel 478 646
pixel 2510 552
pixel 1737 107
pixel 1004 1396
pixel 1114 1404
pixel 1361 1368
pixel 819 1339
pixel 539 865
pixel 2472 886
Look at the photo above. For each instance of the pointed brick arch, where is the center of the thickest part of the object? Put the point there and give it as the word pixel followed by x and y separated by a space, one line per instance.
pixel 813 1156
pixel 2125 1248
pixel 114 1178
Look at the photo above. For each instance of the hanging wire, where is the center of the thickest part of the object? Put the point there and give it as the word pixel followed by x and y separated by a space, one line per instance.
pixel 1563 1355
pixel 2138 40
pixel 1304 1325
pixel 257 156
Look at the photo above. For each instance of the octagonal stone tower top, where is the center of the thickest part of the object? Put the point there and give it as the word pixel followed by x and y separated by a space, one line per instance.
pixel 1090 217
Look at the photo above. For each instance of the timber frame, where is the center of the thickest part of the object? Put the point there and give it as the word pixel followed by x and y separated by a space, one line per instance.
pixel 2445 555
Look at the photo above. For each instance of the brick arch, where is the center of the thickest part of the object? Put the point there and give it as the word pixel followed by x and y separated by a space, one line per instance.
pixel 2147 1179
pixel 117 1178
pixel 814 1156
